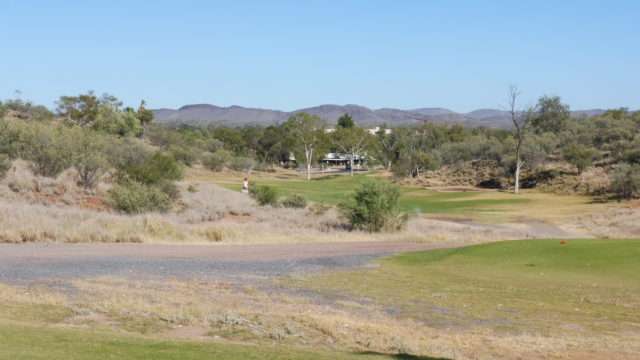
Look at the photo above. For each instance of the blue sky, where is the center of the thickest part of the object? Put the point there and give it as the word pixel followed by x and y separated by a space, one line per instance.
pixel 288 55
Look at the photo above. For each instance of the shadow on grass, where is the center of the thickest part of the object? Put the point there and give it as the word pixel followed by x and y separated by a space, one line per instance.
pixel 401 356
pixel 326 177
pixel 602 199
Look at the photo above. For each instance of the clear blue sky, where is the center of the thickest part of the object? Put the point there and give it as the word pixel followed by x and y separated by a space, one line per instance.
pixel 287 55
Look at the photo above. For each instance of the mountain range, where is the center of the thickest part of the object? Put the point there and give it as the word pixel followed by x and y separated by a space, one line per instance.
pixel 204 115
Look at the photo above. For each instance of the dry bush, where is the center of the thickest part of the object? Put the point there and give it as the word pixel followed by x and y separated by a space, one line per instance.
pixel 470 173
pixel 618 223
pixel 593 181
pixel 20 183
pixel 38 209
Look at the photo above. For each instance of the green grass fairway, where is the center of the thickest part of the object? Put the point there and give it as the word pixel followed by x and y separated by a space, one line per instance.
pixel 333 189
pixel 20 341
pixel 540 285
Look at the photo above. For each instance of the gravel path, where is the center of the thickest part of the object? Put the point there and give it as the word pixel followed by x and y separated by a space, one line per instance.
pixel 34 263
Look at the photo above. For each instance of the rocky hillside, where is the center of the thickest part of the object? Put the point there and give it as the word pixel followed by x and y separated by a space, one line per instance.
pixel 210 115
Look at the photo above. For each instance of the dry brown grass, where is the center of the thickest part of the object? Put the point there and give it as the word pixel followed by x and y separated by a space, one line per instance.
pixel 38 209
pixel 617 223
pixel 238 313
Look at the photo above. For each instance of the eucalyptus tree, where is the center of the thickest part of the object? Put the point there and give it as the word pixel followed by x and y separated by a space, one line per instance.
pixel 388 145
pixel 352 141
pixel 305 133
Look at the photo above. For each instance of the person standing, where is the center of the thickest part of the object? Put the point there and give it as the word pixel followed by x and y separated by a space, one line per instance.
pixel 245 186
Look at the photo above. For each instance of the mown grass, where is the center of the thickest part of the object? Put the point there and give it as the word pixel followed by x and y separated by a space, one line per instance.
pixel 332 189
pixel 590 286
pixel 482 206
pixel 22 341
pixel 39 313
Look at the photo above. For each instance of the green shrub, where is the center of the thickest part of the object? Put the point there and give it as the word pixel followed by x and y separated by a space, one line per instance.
pixel 242 163
pixel 134 198
pixel 170 188
pixel 192 188
pixel 580 156
pixel 89 156
pixel 295 201
pixel 374 207
pixel 213 145
pixel 633 155
pixel 625 180
pixel 123 123
pixel 150 169
pixel 49 149
pixel 184 154
pixel 10 139
pixel 267 170
pixel 264 194
pixel 5 165
pixel 217 160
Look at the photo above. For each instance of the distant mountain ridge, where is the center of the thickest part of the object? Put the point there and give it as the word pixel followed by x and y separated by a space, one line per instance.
pixel 203 115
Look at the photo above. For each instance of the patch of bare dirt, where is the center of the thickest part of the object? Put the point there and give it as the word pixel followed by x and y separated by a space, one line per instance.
pixel 187 332
pixel 260 252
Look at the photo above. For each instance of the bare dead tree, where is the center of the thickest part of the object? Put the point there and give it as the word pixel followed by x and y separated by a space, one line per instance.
pixel 521 120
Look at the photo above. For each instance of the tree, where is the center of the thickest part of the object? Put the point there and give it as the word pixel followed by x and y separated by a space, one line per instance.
pixel 551 115
pixel 231 138
pixel 270 144
pixel 352 141
pixel 412 150
pixel 305 133
pixel 145 116
pixel 521 120
pixel 345 121
pixel 251 136
pixel 388 145
pixel 625 180
pixel 83 109
pixel 580 156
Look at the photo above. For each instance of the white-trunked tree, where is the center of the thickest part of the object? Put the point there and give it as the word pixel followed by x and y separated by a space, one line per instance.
pixel 305 134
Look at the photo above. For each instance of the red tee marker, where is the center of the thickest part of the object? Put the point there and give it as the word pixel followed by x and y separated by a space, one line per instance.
pixel 563 243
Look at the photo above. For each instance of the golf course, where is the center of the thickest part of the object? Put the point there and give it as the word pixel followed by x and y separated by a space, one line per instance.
pixel 550 286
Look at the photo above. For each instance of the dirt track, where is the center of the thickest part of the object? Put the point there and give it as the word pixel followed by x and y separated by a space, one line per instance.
pixel 49 262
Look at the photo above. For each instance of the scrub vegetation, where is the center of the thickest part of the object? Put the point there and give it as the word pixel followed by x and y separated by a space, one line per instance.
pixel 95 171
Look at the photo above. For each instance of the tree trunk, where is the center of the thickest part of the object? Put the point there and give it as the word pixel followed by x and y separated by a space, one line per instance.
pixel 389 165
pixel 518 161
pixel 309 154
pixel 518 165
pixel 351 162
